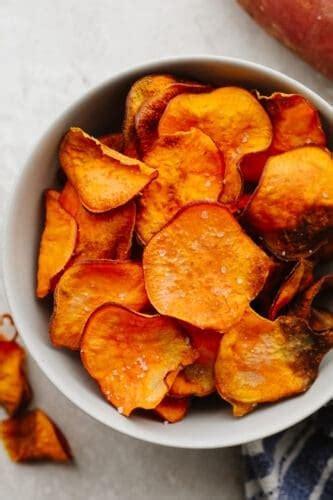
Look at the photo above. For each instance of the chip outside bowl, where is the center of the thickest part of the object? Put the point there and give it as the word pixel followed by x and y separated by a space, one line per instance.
pixel 96 112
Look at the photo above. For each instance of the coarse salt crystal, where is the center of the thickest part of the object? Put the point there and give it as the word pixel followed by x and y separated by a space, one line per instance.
pixel 143 365
pixel 204 214
pixel 220 234
pixel 223 269
pixel 239 281
pixel 325 195
pixel 120 409
pixel 161 253
pixel 283 253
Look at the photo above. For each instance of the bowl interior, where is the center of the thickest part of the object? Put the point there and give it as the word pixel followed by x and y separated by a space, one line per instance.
pixel 209 425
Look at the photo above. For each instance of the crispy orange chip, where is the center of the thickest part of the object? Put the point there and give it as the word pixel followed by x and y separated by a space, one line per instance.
pixel 114 141
pixel 87 285
pixel 149 114
pixel 190 168
pixel 131 355
pixel 197 379
pixel 261 361
pixel 295 122
pixel 140 91
pixel 100 236
pixel 319 318
pixel 15 392
pixel 193 273
pixel 292 207
pixel 103 178
pixel 171 409
pixel 57 243
pixel 298 280
pixel 232 117
pixel 33 436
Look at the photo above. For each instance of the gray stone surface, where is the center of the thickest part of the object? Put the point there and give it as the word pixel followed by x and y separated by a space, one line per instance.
pixel 51 52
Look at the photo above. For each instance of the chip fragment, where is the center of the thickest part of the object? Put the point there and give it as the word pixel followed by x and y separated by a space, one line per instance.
pixel 298 280
pixel 172 410
pixel 295 123
pixel 194 273
pixel 100 236
pixel 87 285
pixel 132 355
pixel 15 391
pixel 190 168
pixel 232 117
pixel 141 90
pixel 33 436
pixel 261 361
pixel 292 207
pixel 103 178
pixel 57 244
pixel 149 114
pixel 198 379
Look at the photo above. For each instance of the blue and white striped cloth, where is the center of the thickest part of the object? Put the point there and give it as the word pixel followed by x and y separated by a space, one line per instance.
pixel 296 464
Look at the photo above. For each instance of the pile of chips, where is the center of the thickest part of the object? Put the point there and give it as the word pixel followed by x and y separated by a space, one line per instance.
pixel 182 251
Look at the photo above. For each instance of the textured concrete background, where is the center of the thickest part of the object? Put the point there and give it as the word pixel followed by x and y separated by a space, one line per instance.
pixel 51 52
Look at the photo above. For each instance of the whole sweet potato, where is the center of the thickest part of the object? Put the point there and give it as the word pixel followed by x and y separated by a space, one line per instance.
pixel 306 26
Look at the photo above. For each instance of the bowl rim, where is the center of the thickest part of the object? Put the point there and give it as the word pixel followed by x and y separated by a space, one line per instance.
pixel 57 380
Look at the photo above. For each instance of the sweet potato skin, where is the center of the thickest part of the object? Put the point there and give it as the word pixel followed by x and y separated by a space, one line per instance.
pixel 305 27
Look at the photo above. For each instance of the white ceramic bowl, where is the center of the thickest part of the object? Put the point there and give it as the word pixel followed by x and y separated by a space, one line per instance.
pixel 97 112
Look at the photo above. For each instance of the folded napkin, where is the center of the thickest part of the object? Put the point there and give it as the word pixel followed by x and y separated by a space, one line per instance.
pixel 296 464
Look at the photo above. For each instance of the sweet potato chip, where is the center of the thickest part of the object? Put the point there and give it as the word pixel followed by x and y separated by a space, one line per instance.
pixel 292 207
pixel 57 244
pixel 262 361
pixel 100 236
pixel 103 178
pixel 232 117
pixel 114 141
pixel 15 392
pixel 87 285
pixel 33 437
pixel 318 318
pixel 197 379
pixel 295 123
pixel 140 91
pixel 190 168
pixel 149 114
pixel 131 355
pixel 171 409
pixel 203 269
pixel 298 280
